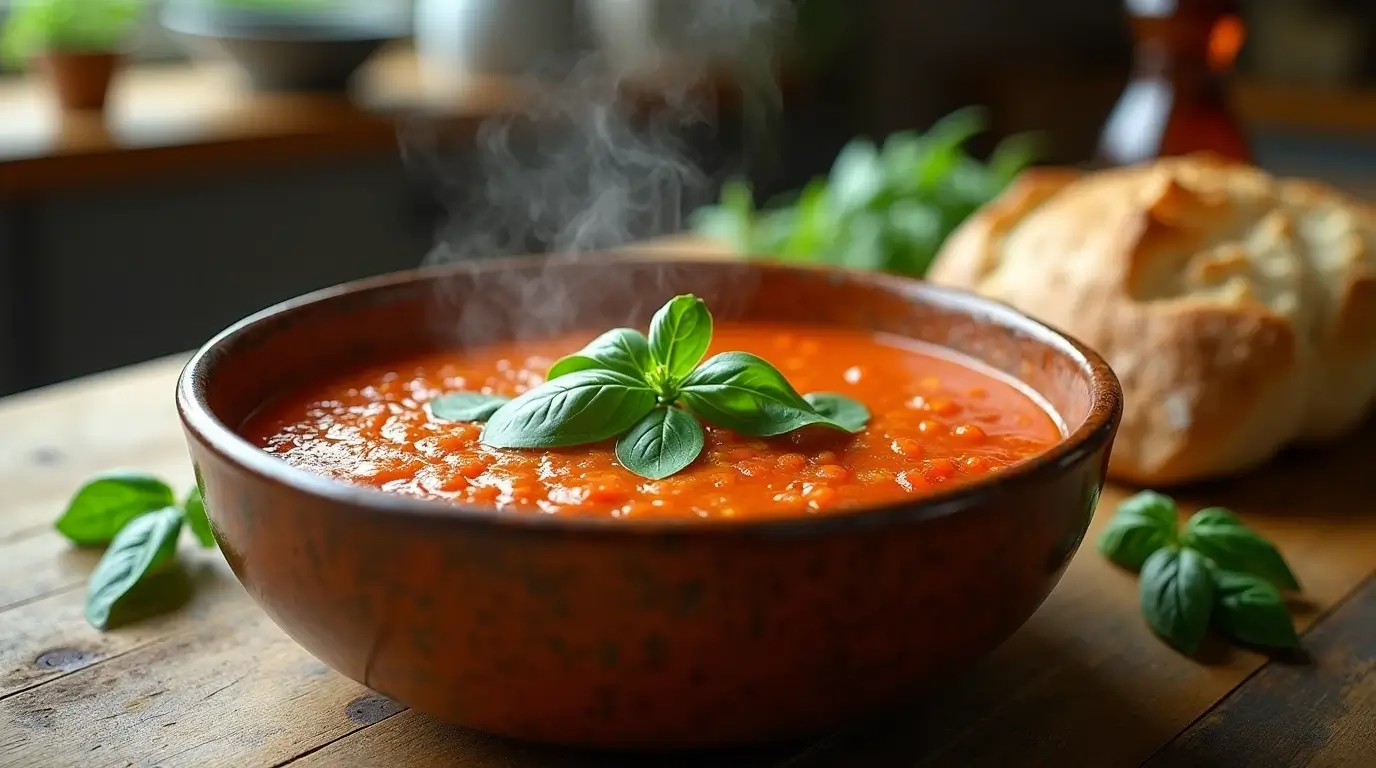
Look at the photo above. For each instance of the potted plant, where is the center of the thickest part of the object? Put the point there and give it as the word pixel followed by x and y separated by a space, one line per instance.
pixel 77 42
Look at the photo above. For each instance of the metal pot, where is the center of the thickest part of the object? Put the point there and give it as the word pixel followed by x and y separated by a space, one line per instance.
pixel 495 37
pixel 648 35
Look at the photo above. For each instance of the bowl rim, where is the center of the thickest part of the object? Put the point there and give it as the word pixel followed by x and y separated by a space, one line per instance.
pixel 1095 432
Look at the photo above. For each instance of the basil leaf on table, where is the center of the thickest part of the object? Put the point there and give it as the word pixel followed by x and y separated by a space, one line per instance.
pixel 1177 593
pixel 466 406
pixel 1218 535
pixel 679 335
pixel 107 502
pixel 1156 506
pixel 145 543
pixel 624 350
pixel 742 392
pixel 852 415
pixel 1250 609
pixel 1142 524
pixel 664 442
pixel 581 407
pixel 194 511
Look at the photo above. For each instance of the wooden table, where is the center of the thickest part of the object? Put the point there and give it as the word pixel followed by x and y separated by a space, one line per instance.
pixel 1084 683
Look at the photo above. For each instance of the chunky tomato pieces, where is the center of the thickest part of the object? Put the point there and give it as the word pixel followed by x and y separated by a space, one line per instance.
pixel 935 421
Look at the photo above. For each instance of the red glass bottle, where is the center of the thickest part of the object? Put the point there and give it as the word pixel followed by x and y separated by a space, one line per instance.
pixel 1175 102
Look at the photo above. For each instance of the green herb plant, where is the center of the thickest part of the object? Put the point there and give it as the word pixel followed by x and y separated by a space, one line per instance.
pixel 1216 571
pixel 68 26
pixel 888 208
pixel 651 393
pixel 138 519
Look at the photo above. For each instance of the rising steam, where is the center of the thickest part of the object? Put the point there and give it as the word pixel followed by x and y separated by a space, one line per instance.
pixel 586 166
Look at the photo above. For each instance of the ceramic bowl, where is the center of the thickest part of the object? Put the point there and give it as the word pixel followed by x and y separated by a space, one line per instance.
pixel 279 51
pixel 638 633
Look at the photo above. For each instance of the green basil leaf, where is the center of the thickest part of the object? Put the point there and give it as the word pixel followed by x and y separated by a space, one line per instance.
pixel 856 176
pixel 1142 525
pixel 466 406
pixel 661 444
pixel 1218 535
pixel 679 334
pixel 580 407
pixel 194 511
pixel 1177 595
pixel 1154 505
pixel 623 350
pixel 852 415
pixel 742 392
pixel 1251 610
pixel 145 543
pixel 107 502
pixel 732 221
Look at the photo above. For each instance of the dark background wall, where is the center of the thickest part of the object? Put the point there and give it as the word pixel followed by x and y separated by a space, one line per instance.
pixel 98 278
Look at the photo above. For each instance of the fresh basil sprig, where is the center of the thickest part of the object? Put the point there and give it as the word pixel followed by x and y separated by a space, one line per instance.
pixel 1216 571
pixel 648 392
pixel 886 206
pixel 137 516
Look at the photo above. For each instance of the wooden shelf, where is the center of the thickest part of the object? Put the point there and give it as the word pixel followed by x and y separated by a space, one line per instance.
pixel 1309 109
pixel 202 117
pixel 198 118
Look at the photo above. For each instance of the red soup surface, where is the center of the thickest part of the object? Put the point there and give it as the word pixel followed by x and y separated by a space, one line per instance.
pixel 935 421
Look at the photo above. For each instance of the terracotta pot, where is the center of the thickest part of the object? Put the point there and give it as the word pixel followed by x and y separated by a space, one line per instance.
pixel 80 80
pixel 639 633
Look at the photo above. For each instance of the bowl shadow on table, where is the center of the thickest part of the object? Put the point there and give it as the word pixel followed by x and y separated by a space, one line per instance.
pixel 950 724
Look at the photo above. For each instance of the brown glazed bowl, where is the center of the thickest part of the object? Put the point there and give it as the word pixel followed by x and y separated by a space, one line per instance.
pixel 638 633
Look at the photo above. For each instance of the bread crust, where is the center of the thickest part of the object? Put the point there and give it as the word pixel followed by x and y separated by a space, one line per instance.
pixel 1238 309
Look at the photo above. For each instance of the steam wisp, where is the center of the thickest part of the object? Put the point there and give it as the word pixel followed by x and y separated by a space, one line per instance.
pixel 582 169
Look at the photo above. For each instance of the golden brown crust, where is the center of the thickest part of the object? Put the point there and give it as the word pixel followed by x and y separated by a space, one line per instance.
pixel 1239 310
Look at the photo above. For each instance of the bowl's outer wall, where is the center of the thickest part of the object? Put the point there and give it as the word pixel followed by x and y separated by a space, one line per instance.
pixel 621 637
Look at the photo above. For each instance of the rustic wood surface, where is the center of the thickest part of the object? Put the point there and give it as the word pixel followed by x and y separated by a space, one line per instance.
pixel 213 682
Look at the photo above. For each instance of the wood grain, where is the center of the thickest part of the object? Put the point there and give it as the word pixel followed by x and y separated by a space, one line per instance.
pixel 222 687
pixel 1084 683
pixel 51 441
pixel 1319 713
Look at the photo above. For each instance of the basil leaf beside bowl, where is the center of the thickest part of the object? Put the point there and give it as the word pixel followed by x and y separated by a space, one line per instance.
pixel 624 350
pixel 108 502
pixel 1142 524
pixel 1250 609
pixel 466 406
pixel 193 509
pixel 1218 535
pixel 141 546
pixel 1177 595
pixel 581 407
pixel 1153 505
pixel 742 392
pixel 679 335
pixel 666 441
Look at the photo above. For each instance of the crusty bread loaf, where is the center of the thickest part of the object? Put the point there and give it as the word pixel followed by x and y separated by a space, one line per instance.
pixel 1238 309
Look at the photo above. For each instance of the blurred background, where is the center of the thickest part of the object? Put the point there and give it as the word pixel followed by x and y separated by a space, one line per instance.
pixel 168 167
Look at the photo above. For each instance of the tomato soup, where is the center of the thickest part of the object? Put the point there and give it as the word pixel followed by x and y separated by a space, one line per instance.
pixel 934 422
